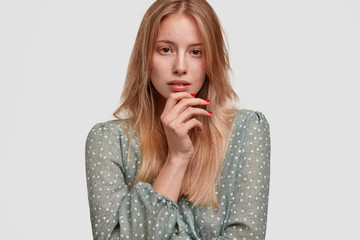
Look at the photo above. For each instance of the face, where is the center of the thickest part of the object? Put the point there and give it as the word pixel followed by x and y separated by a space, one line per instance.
pixel 178 63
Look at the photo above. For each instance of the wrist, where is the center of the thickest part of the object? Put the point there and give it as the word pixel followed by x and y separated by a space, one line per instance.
pixel 177 161
pixel 170 178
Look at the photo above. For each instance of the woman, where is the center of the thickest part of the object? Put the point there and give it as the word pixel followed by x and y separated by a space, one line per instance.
pixel 180 161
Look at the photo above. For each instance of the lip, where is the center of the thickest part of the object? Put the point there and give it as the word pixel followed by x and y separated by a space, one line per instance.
pixel 178 82
pixel 179 85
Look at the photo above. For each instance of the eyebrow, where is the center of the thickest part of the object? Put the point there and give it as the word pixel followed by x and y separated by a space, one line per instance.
pixel 171 42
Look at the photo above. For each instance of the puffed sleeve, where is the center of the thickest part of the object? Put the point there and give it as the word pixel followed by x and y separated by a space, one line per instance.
pixel 248 209
pixel 116 211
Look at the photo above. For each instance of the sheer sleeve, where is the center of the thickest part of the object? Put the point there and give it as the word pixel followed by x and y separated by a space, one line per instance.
pixel 116 211
pixel 248 208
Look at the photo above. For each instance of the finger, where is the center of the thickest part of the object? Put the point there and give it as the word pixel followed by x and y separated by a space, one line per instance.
pixel 193 123
pixel 185 103
pixel 173 99
pixel 189 113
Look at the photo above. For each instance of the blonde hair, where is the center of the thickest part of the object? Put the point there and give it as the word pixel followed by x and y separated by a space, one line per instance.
pixel 138 102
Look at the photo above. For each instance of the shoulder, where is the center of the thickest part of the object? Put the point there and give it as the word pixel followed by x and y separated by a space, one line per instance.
pixel 250 138
pixel 112 140
pixel 103 129
pixel 117 130
pixel 247 118
pixel 249 124
pixel 112 127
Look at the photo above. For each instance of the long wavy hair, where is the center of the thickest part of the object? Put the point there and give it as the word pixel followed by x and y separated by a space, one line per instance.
pixel 141 110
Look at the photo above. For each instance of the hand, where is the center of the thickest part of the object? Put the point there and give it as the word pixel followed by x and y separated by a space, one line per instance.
pixel 177 121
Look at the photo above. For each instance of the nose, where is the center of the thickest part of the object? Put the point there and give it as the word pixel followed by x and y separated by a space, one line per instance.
pixel 180 65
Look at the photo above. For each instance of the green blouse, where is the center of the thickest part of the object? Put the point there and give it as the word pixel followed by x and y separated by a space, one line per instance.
pixel 112 161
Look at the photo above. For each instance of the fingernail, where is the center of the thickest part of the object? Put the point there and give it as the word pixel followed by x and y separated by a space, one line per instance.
pixel 206 100
pixel 209 112
pixel 192 94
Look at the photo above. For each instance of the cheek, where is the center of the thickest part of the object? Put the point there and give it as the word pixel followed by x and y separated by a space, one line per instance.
pixel 154 65
pixel 158 65
pixel 198 70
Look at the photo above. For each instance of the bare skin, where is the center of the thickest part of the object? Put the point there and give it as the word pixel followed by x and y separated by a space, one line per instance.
pixel 177 121
pixel 178 57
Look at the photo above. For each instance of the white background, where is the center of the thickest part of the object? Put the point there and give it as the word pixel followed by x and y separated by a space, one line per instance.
pixel 62 67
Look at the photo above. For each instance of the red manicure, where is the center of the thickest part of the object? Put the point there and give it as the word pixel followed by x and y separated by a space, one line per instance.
pixel 192 94
pixel 209 112
pixel 206 100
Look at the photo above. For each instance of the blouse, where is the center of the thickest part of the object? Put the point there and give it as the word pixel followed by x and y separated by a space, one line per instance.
pixel 118 211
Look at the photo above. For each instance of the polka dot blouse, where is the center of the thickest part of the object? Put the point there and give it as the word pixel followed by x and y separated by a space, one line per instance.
pixel 119 212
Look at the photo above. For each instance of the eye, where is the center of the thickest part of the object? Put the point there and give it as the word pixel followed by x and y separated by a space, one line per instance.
pixel 165 50
pixel 196 52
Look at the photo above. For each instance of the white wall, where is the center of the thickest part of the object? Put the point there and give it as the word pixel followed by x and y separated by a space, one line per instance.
pixel 62 66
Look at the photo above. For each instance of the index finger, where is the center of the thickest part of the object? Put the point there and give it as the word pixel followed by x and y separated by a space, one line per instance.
pixel 175 98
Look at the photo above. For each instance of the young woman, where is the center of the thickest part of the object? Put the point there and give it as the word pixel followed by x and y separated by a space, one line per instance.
pixel 180 161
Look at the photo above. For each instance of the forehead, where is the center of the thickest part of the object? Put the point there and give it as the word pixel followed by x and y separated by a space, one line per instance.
pixel 179 27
